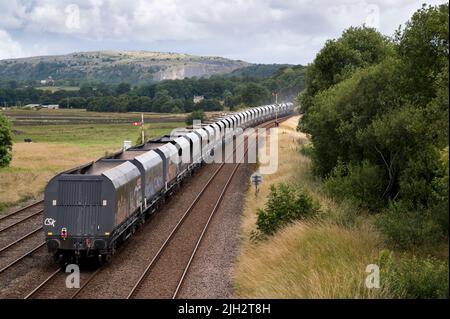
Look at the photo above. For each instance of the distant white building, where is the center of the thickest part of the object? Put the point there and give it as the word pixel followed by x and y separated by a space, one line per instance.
pixel 48 81
pixel 50 106
pixel 198 98
pixel 31 106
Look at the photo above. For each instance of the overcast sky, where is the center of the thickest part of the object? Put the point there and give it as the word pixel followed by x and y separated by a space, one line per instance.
pixel 261 31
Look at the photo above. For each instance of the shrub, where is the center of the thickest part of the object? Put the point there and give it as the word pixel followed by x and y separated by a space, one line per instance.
pixel 411 277
pixel 404 228
pixel 307 150
pixel 284 205
pixel 5 141
pixel 421 215
pixel 195 115
pixel 361 184
pixel 440 193
pixel 421 180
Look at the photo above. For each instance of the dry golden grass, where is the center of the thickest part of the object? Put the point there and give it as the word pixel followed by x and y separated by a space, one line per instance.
pixel 317 259
pixel 308 260
pixel 34 164
pixel 288 142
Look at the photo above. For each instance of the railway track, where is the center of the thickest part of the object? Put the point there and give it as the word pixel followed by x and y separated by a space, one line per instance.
pixel 55 283
pixel 20 227
pixel 21 210
pixel 22 257
pixel 225 173
pixel 165 273
pixel 9 224
pixel 20 216
pixel 20 239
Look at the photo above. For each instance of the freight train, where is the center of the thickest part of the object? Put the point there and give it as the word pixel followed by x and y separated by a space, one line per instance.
pixel 91 209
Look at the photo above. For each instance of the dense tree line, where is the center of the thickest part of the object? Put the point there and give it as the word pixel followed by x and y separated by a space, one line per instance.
pixel 258 70
pixel 377 112
pixel 165 96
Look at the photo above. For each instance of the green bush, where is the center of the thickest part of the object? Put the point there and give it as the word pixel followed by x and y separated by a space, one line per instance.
pixel 307 150
pixel 440 193
pixel 284 205
pixel 421 215
pixel 420 179
pixel 361 184
pixel 195 115
pixel 404 228
pixel 5 141
pixel 412 277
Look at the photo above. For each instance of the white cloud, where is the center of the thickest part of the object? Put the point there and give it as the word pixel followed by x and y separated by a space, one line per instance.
pixel 255 30
pixel 12 14
pixel 8 47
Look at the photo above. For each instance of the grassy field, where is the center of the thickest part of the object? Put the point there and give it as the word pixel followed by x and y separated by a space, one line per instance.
pixel 82 135
pixel 315 259
pixel 80 116
pixel 59 147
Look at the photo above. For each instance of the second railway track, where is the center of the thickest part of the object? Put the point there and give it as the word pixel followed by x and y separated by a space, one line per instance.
pixel 17 213
pixel 18 224
pixel 10 224
pixel 20 234
pixel 54 286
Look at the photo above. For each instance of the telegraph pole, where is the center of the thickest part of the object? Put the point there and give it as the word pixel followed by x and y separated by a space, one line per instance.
pixel 142 128
pixel 256 179
pixel 275 93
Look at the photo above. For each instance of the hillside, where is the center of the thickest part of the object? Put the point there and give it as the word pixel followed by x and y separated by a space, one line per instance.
pixel 259 70
pixel 113 67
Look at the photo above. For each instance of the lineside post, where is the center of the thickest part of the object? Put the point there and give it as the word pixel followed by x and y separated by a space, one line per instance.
pixel 142 128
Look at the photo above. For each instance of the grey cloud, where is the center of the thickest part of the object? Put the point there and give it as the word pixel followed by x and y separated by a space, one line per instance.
pixel 255 30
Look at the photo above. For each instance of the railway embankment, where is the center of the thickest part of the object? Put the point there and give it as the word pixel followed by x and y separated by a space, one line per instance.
pixel 325 255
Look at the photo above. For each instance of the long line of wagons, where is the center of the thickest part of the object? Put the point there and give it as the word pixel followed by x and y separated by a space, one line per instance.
pixel 90 209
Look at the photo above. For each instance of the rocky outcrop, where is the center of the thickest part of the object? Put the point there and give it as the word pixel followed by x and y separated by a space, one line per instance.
pixel 135 67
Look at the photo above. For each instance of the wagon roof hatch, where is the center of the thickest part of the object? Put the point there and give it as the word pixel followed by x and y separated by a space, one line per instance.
pixel 122 174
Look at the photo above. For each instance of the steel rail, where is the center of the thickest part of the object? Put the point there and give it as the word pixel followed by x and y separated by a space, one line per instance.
pixel 42 284
pixel 215 208
pixel 21 257
pixel 78 291
pixel 21 239
pixel 21 221
pixel 21 210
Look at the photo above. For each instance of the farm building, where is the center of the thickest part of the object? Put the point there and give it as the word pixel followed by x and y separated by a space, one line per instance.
pixel 50 106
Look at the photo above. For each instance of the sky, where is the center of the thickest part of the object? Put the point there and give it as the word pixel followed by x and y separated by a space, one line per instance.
pixel 257 31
